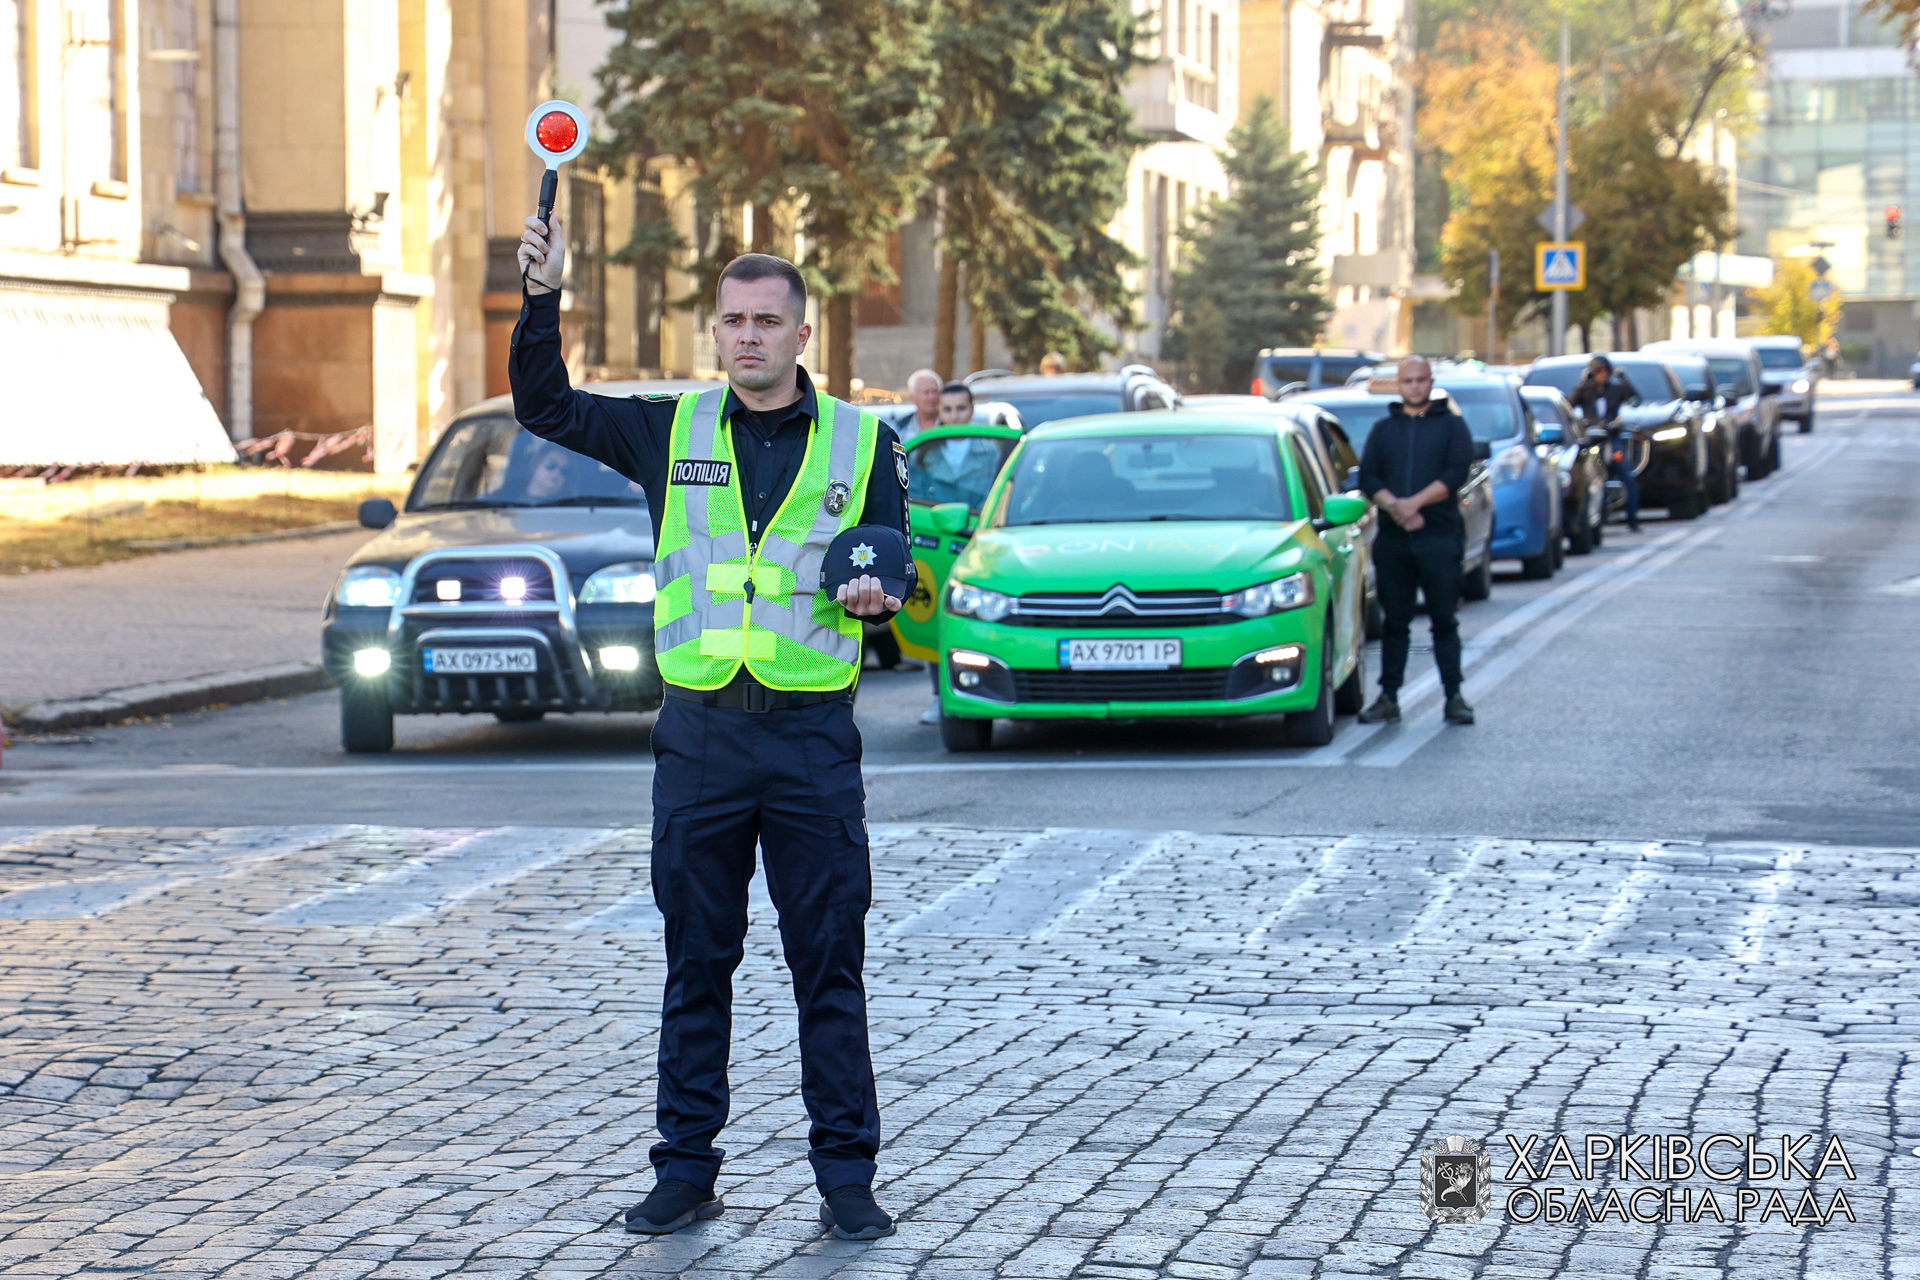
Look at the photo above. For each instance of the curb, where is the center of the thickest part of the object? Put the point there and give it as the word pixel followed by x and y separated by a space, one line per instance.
pixel 245 539
pixel 173 695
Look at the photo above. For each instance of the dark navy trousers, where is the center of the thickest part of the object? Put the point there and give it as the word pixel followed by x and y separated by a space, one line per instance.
pixel 788 781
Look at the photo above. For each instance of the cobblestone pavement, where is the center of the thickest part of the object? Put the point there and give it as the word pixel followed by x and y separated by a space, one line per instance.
pixel 361 1051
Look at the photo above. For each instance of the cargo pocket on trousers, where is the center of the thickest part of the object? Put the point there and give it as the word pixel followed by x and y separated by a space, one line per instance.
pixel 857 878
pixel 661 861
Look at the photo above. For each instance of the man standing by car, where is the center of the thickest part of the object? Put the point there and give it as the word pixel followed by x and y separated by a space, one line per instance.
pixel 1415 461
pixel 923 390
pixel 756 743
pixel 1600 395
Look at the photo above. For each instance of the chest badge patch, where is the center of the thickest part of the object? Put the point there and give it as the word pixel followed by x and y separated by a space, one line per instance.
pixel 862 556
pixel 837 497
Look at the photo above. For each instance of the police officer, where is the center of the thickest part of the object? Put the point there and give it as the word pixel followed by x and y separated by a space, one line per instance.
pixel 747 486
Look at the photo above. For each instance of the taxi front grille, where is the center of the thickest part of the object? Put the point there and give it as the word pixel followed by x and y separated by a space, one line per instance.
pixel 1121 607
pixel 1188 684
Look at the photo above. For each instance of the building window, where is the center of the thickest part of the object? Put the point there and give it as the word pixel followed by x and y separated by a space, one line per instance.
pixel 117 167
pixel 183 34
pixel 1213 43
pixel 16 106
pixel 589 276
pixel 1181 30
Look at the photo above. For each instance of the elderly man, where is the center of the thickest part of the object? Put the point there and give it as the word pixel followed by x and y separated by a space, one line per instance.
pixel 923 392
pixel 1415 461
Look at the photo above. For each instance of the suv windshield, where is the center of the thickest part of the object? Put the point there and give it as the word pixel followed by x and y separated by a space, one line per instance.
pixel 1733 374
pixel 1036 409
pixel 1170 477
pixel 1779 357
pixel 490 462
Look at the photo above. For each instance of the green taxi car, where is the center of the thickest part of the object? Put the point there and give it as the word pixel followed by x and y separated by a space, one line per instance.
pixel 1152 564
pixel 945 465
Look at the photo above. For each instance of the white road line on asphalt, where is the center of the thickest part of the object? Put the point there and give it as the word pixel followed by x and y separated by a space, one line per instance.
pixel 1329 860
pixel 1626 899
pixel 1441 899
pixel 430 883
pixel 1753 929
pixel 986 875
pixel 92 896
pixel 1570 603
pixel 1092 895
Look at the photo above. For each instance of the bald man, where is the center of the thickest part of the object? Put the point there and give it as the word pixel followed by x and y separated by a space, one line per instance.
pixel 1413 466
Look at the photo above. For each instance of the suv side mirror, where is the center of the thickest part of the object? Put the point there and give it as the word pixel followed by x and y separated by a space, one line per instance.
pixel 377 513
pixel 950 518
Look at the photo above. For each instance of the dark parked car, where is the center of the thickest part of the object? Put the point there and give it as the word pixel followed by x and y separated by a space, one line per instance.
pixel 1723 451
pixel 517 580
pixel 1753 414
pixel 1358 409
pixel 1280 371
pixel 1039 398
pixel 1661 428
pixel 1580 461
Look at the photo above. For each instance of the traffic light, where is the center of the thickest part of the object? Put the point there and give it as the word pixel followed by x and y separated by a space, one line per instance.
pixel 1893 222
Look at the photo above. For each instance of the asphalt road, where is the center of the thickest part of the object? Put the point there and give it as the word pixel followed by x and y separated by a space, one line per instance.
pixel 1745 676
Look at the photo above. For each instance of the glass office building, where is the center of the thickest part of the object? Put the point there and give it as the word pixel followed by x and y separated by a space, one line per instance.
pixel 1835 151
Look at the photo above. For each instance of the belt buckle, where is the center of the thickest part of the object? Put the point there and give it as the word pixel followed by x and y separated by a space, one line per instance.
pixel 756 699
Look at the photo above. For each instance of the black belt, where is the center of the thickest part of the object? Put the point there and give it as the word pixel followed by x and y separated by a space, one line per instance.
pixel 751 695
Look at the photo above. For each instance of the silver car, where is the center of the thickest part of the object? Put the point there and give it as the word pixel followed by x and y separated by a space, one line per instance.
pixel 1790 375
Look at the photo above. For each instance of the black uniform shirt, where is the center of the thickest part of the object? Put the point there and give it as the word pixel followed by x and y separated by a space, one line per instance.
pixel 633 435
pixel 1406 453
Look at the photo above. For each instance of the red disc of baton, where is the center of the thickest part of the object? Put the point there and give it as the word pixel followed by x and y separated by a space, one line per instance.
pixel 557 131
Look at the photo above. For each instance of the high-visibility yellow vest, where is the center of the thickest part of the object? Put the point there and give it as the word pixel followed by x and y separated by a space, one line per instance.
pixel 722 603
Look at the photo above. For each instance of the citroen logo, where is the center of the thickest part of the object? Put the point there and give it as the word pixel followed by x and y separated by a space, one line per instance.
pixel 1120 600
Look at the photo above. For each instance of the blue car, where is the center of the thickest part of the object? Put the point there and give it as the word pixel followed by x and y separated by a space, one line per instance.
pixel 1527 521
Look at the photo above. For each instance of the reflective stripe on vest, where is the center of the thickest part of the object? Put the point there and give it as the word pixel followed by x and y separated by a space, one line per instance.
pixel 789 635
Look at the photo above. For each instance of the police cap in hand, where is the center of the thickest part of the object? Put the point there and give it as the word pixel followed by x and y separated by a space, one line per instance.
pixel 869 550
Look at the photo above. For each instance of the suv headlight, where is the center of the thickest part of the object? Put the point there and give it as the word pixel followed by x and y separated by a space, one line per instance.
pixel 1510 465
pixel 1290 592
pixel 1800 386
pixel 977 602
pixel 629 583
pixel 1670 433
pixel 368 586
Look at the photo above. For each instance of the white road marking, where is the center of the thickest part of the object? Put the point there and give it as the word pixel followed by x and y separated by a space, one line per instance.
pixel 89 896
pixel 1432 911
pixel 1753 929
pixel 1092 895
pixel 430 883
pixel 1330 861
pixel 1625 899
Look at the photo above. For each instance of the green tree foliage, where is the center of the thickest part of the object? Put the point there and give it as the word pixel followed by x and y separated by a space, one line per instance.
pixel 820 105
pixel 1789 306
pixel 1249 279
pixel 1037 141
pixel 1648 211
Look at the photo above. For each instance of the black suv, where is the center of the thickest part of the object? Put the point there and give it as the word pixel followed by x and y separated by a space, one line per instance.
pixel 517 580
pixel 1281 371
pixel 1045 397
pixel 1659 428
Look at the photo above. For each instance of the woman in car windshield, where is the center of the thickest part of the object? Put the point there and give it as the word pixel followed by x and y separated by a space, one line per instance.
pixel 1175 477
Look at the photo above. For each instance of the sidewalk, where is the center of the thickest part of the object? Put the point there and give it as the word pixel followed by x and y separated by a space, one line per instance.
pixel 75 633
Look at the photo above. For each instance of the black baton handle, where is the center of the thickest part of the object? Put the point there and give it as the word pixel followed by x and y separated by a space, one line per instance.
pixel 549 188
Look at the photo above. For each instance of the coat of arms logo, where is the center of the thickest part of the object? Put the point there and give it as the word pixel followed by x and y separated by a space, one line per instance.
pixel 1456 1180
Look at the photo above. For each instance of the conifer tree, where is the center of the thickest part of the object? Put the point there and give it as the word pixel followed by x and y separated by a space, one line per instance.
pixel 1249 279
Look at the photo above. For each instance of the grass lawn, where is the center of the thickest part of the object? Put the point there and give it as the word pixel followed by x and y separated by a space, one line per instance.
pixel 91 521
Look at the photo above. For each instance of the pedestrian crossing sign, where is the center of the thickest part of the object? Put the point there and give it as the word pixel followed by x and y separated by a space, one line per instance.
pixel 1559 264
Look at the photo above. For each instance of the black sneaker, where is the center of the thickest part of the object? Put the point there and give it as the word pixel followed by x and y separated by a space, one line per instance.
pixel 1386 707
pixel 1459 710
pixel 851 1214
pixel 671 1205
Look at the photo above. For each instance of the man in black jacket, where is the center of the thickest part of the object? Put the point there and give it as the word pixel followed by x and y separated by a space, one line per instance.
pixel 1415 461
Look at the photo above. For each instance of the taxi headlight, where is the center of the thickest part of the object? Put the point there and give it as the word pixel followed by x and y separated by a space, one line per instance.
pixel 1671 433
pixel 368 586
pixel 630 583
pixel 1290 592
pixel 977 602
pixel 1800 386
pixel 1510 465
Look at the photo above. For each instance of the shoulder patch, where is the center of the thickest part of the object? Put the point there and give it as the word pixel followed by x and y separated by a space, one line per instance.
pixel 900 462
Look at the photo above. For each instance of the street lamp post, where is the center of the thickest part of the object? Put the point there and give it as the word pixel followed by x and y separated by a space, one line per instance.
pixel 1557 339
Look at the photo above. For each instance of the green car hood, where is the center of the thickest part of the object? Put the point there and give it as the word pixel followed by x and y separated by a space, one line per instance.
pixel 1214 555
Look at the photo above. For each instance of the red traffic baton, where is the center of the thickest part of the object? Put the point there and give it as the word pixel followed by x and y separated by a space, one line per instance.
pixel 556 133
